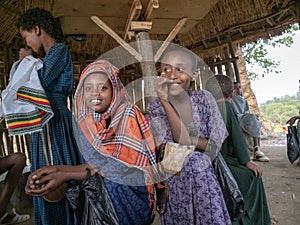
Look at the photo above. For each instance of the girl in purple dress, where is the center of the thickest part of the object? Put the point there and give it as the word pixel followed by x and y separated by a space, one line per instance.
pixel 189 118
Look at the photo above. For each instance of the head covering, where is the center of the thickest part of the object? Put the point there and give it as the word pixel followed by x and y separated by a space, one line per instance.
pixel 128 133
pixel 127 138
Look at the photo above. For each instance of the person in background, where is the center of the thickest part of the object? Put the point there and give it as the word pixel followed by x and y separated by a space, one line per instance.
pixel 248 121
pixel 13 164
pixel 116 141
pixel 235 153
pixel 291 122
pixel 188 117
pixel 43 34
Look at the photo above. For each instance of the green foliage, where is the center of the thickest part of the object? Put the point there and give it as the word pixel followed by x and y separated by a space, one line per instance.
pixel 279 110
pixel 255 53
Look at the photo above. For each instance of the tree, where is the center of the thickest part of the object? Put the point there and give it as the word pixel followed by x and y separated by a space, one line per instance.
pixel 255 53
pixel 279 110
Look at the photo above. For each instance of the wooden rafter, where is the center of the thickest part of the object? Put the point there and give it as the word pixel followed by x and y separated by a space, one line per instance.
pixel 170 37
pixel 115 36
pixel 134 14
pixel 152 4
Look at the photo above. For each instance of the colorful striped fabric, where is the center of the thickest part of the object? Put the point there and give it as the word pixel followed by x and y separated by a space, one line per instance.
pixel 24 103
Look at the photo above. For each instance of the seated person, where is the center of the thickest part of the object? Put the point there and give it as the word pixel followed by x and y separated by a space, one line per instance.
pixel 13 164
pixel 188 117
pixel 235 152
pixel 248 121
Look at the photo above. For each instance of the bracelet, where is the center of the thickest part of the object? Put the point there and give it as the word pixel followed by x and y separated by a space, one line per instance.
pixel 192 129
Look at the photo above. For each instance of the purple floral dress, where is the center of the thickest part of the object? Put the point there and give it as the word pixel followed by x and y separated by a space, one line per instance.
pixel 195 196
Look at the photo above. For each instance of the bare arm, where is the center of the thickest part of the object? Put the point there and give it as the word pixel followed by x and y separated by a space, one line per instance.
pixel 179 131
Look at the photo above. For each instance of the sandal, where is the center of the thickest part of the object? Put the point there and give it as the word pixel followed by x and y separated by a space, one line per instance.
pixel 18 218
pixel 259 155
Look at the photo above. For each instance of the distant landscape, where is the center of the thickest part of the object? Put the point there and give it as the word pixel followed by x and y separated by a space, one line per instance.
pixel 278 111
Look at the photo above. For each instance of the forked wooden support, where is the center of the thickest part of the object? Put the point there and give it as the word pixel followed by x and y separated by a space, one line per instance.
pixel 152 4
pixel 170 37
pixel 134 14
pixel 115 36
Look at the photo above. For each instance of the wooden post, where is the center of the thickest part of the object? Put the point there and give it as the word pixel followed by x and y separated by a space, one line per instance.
pixel 148 68
pixel 235 65
pixel 219 65
pixel 227 64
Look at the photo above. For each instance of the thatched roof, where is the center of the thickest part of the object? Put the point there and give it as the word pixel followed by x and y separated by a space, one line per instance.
pixel 209 24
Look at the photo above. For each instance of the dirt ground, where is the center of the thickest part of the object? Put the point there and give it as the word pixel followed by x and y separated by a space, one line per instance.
pixel 281 180
pixel 282 183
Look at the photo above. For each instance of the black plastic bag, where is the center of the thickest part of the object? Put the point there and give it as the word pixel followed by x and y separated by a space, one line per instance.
pixel 91 202
pixel 292 141
pixel 231 192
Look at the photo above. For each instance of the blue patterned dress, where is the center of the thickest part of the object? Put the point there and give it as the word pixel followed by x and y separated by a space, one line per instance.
pixel 195 197
pixel 56 77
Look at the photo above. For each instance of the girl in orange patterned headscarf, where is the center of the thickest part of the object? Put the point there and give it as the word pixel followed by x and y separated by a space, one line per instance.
pixel 118 131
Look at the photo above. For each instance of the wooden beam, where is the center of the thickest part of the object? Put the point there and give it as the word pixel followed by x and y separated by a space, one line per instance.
pixel 269 21
pixel 115 36
pixel 204 44
pixel 223 61
pixel 152 4
pixel 134 13
pixel 140 25
pixel 170 37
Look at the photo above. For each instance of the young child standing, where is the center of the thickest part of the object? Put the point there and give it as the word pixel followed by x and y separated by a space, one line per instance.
pixel 43 34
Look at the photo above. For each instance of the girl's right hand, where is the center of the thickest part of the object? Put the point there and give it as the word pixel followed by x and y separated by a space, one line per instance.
pixel 161 87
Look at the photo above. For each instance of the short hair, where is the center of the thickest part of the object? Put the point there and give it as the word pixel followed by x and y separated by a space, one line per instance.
pixel 176 48
pixel 220 86
pixel 44 20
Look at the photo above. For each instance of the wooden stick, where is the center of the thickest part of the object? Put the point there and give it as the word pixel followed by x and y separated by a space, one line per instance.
pixel 134 13
pixel 152 4
pixel 170 37
pixel 115 36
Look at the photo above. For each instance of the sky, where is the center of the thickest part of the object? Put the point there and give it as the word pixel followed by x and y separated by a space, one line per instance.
pixel 284 83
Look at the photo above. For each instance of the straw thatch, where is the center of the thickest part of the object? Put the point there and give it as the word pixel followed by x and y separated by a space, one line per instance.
pixel 211 24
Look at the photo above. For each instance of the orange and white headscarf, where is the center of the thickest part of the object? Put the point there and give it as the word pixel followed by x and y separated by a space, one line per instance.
pixel 128 137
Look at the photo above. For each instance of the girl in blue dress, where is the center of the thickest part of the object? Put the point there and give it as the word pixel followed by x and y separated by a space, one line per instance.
pixel 43 34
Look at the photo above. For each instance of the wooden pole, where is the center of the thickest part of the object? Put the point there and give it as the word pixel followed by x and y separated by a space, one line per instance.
pixel 235 65
pixel 147 66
